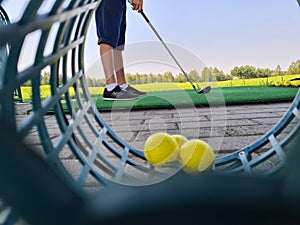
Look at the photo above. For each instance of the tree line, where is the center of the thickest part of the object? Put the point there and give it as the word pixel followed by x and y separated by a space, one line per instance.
pixel 208 74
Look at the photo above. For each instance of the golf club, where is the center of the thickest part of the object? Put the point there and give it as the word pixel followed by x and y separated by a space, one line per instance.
pixel 199 91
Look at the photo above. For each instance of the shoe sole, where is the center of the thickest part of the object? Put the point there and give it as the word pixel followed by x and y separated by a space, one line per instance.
pixel 119 99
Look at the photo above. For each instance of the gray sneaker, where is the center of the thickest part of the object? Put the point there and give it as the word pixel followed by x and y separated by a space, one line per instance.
pixel 135 91
pixel 118 94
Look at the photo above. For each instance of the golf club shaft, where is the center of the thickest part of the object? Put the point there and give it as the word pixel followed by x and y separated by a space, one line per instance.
pixel 167 48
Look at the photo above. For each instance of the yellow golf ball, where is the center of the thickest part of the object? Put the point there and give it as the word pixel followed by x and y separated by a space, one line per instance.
pixel 161 148
pixel 180 139
pixel 196 156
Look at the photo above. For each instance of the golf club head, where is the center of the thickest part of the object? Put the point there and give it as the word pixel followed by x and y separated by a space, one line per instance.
pixel 204 90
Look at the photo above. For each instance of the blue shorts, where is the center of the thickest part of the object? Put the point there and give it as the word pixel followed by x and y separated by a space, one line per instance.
pixel 111 23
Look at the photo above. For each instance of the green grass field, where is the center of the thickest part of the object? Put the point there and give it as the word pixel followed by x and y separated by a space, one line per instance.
pixel 165 95
pixel 218 96
pixel 158 87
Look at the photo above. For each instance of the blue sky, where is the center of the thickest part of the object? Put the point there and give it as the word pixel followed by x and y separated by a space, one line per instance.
pixel 221 33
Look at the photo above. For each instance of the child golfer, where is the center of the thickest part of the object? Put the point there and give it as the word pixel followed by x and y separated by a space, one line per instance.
pixel 111 26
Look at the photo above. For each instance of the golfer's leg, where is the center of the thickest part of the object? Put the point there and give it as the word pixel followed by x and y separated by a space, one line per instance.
pixel 106 53
pixel 108 17
pixel 119 67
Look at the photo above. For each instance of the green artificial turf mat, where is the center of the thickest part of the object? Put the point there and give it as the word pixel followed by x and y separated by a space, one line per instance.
pixel 185 98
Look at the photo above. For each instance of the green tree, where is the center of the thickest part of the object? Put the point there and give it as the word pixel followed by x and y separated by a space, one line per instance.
pixel 100 82
pixel 236 72
pixel 90 82
pixel 278 70
pixel 194 75
pixel 249 72
pixel 263 72
pixel 244 72
pixel 294 68
pixel 207 74
pixel 151 78
pixel 169 77
pixel 180 78
pixel 45 78
pixel 228 77
pixel 219 74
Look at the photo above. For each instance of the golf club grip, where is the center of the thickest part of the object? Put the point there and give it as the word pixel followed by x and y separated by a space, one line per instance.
pixel 145 17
